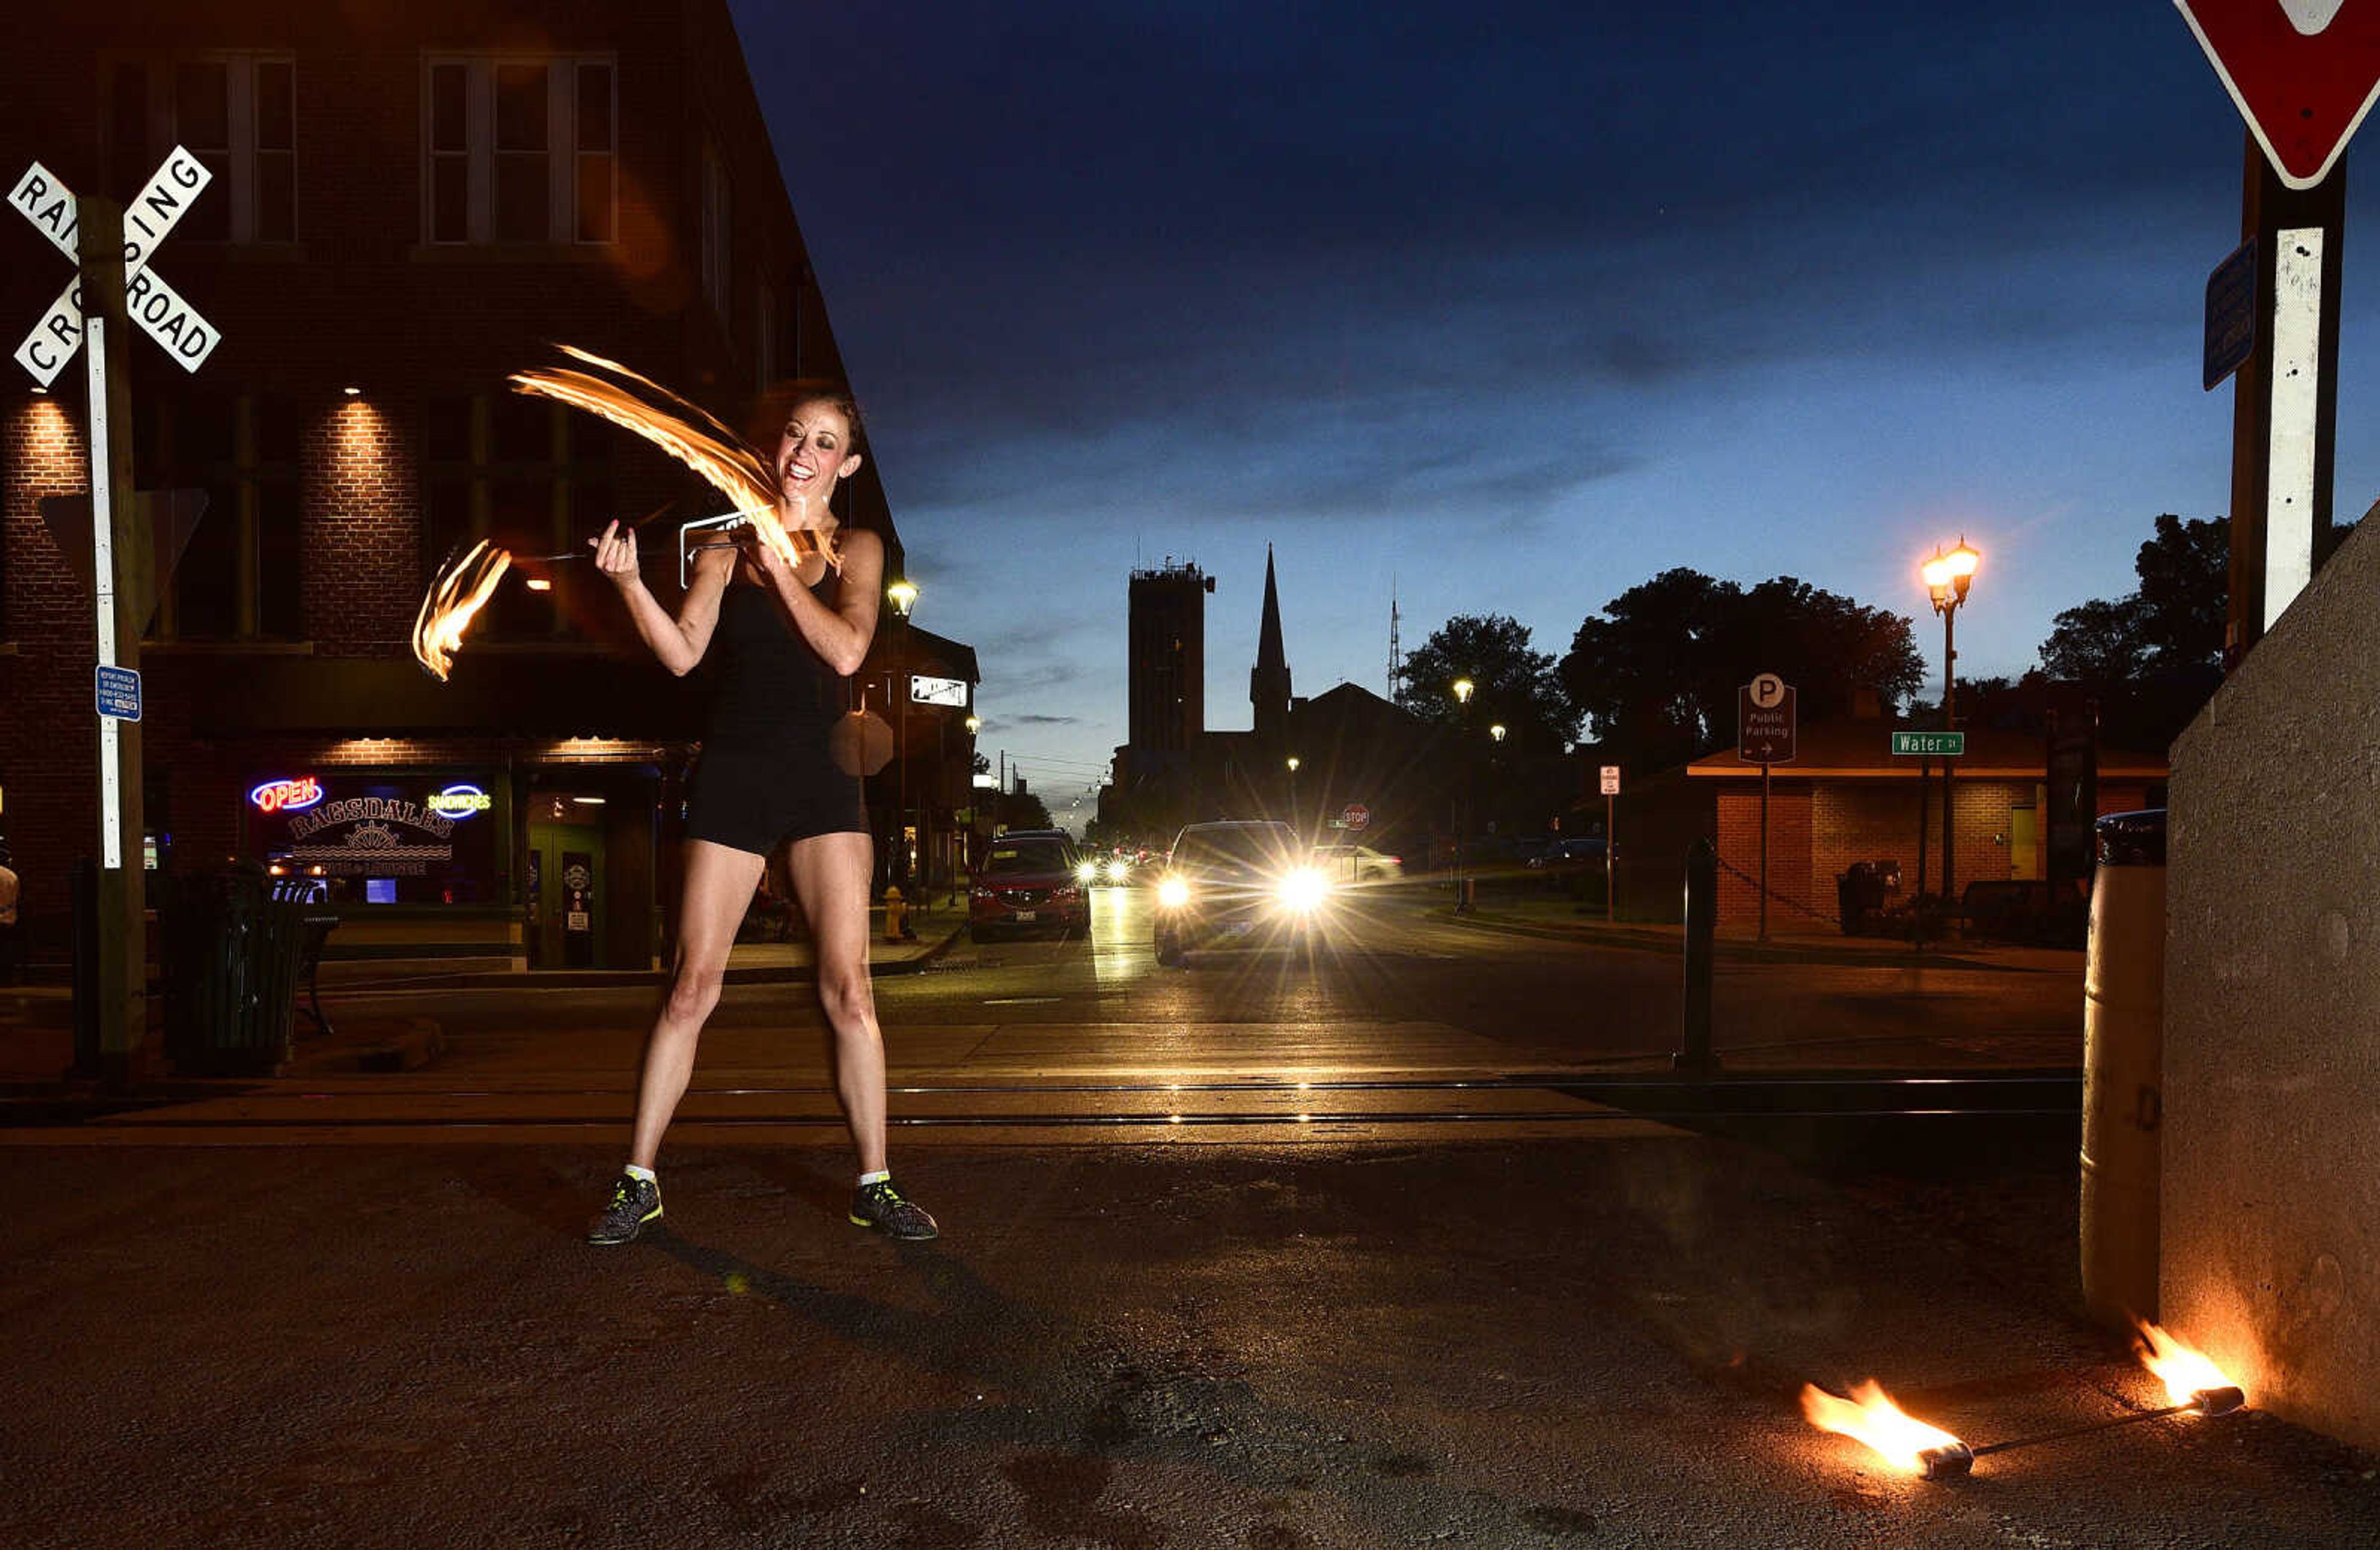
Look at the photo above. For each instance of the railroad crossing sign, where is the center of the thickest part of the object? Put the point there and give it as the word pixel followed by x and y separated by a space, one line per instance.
pixel 2303 73
pixel 176 326
pixel 1764 721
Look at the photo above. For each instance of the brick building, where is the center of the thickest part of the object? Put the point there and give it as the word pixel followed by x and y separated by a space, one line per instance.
pixel 408 204
pixel 1848 798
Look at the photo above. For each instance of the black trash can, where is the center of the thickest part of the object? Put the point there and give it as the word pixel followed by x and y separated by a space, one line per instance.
pixel 1852 890
pixel 232 955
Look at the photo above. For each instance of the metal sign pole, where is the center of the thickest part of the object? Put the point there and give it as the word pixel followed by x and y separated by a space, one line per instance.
pixel 2285 404
pixel 1764 851
pixel 1611 843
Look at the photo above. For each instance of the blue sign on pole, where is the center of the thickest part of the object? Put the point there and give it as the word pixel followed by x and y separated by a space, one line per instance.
pixel 2230 314
pixel 120 692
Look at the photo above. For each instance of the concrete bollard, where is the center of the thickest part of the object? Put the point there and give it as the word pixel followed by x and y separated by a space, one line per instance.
pixel 2123 1040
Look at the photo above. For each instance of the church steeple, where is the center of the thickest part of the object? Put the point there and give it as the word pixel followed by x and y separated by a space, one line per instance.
pixel 1268 680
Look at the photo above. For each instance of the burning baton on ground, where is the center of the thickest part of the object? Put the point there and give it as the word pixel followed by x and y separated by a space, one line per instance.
pixel 2194 1385
pixel 689 433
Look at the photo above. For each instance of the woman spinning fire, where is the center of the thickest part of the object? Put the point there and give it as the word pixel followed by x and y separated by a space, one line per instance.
pixel 784 631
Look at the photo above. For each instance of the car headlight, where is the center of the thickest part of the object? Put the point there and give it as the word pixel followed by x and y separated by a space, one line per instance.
pixel 1087 872
pixel 1305 888
pixel 1115 871
pixel 1173 894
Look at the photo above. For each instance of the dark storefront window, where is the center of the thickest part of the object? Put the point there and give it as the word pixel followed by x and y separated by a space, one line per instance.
pixel 383 837
pixel 241 575
pixel 531 476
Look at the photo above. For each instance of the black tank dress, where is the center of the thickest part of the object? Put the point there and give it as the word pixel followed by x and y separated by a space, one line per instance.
pixel 765 778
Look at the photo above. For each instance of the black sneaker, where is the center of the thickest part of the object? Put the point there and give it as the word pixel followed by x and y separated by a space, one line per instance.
pixel 634 1202
pixel 881 1205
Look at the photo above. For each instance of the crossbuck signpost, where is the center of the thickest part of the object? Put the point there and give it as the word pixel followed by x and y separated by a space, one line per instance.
pixel 112 247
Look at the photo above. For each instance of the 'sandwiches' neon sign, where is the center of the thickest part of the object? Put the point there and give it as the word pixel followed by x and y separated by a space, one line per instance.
pixel 460 800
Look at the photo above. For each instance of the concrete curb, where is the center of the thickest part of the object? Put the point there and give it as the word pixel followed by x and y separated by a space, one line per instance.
pixel 1734 948
pixel 614 979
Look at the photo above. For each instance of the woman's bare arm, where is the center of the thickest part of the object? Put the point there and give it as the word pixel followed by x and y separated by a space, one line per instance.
pixel 839 634
pixel 679 642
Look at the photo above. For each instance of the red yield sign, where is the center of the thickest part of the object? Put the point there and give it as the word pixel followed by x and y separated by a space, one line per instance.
pixel 2304 73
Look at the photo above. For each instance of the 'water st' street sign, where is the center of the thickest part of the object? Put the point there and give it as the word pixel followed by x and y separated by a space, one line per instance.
pixel 1931 745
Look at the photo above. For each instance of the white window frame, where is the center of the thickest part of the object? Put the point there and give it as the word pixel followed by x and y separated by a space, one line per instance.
pixel 764 353
pixel 239 86
pixel 562 151
pixel 717 232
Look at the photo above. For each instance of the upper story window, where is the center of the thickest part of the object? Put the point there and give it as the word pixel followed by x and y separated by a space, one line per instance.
pixel 236 112
pixel 520 149
pixel 716 275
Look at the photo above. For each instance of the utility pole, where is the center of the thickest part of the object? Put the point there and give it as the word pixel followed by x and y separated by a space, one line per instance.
pixel 124 587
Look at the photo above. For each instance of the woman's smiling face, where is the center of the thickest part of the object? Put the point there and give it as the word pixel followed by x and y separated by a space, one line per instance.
pixel 814 451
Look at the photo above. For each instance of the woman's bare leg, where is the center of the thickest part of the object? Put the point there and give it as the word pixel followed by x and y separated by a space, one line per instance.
pixel 830 874
pixel 719 883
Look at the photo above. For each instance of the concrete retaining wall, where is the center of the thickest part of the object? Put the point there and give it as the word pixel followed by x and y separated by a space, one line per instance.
pixel 2271 1210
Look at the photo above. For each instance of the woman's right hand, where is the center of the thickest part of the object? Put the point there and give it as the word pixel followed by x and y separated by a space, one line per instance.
pixel 615 555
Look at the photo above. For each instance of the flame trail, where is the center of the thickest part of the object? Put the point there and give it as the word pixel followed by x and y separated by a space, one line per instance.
pixel 460 589
pixel 685 430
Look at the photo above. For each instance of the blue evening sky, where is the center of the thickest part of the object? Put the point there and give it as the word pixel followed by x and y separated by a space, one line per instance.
pixel 1513 305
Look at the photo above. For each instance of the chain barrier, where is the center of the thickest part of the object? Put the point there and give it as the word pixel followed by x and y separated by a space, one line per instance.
pixel 1789 903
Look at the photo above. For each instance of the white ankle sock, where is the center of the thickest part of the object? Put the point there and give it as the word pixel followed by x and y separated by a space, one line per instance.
pixel 879 1176
pixel 646 1174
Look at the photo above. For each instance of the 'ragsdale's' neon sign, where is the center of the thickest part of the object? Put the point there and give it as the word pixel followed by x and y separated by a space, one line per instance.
pixel 287 796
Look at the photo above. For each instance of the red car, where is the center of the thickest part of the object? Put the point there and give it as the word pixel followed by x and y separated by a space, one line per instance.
pixel 1027 883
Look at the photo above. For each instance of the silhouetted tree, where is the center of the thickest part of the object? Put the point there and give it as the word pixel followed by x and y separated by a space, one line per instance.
pixel 1657 673
pixel 1513 684
pixel 2154 656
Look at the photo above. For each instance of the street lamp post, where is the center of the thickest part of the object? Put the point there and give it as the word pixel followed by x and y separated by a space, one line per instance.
pixel 966 839
pixel 903 597
pixel 1293 820
pixel 1464 688
pixel 1946 579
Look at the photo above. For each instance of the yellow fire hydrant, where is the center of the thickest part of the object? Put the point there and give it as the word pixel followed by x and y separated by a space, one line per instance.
pixel 896 912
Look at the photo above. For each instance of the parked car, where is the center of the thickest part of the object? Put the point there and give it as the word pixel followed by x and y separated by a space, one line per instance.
pixel 1358 863
pixel 1247 884
pixel 1569 855
pixel 1027 882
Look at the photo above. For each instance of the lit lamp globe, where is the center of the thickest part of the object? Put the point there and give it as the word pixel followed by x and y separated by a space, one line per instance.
pixel 903 594
pixel 1463 690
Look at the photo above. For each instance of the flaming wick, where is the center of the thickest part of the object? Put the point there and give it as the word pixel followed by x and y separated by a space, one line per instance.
pixel 1899 1438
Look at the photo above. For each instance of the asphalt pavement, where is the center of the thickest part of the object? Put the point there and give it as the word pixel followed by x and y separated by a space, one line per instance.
pixel 1265 1254
pixel 1556 1342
